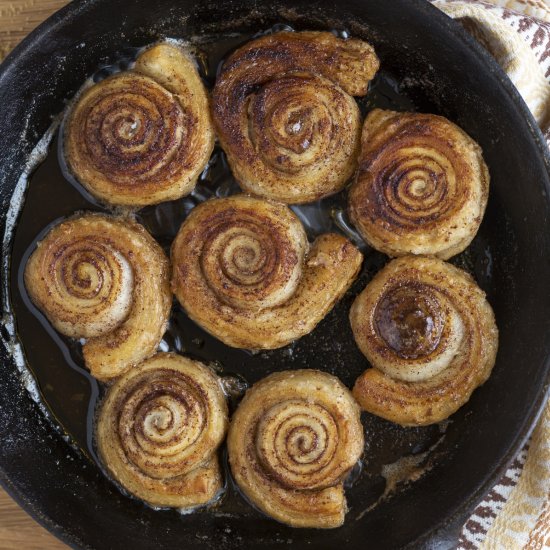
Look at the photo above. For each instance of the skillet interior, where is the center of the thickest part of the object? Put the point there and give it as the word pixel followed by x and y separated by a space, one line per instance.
pixel 444 73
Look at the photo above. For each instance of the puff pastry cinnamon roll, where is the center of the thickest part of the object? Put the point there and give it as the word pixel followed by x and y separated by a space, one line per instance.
pixel 159 428
pixel 142 136
pixel 242 270
pixel 292 441
pixel 104 279
pixel 421 186
pixel 285 115
pixel 430 336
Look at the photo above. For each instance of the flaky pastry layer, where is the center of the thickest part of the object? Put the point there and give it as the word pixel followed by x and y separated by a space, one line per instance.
pixel 292 441
pixel 142 136
pixel 430 336
pixel 285 115
pixel 158 430
pixel 106 279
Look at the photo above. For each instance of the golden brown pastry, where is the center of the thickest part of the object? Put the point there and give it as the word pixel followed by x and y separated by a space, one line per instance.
pixel 242 270
pixel 159 428
pixel 285 115
pixel 292 441
pixel 430 336
pixel 105 279
pixel 142 136
pixel 421 186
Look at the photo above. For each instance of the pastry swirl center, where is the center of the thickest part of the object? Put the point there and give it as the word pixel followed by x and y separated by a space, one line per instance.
pixel 420 184
pixel 250 261
pixel 243 258
pixel 133 131
pixel 296 442
pixel 292 122
pixel 161 423
pixel 91 284
pixel 410 321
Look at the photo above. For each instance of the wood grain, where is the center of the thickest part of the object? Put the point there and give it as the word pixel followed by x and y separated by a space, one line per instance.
pixel 17 529
pixel 19 17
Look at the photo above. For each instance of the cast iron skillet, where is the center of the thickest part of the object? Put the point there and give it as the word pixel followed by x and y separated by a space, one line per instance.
pixel 445 72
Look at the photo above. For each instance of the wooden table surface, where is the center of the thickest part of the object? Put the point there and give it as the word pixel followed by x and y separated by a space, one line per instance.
pixel 18 531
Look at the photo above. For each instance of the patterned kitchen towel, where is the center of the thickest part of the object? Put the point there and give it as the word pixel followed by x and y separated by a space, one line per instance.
pixel 520 43
pixel 535 8
pixel 516 513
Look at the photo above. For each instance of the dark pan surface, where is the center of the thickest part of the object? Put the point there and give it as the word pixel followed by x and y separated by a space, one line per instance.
pixel 428 65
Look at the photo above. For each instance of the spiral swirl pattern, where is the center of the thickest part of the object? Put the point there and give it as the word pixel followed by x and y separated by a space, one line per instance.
pixel 159 428
pixel 292 441
pixel 253 261
pixel 296 443
pixel 430 336
pixel 142 136
pixel 91 288
pixel 106 279
pixel 285 114
pixel 242 271
pixel 419 188
pixel 422 185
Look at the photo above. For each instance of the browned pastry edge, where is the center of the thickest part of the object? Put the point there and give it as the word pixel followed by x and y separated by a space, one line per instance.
pixel 292 441
pixel 284 113
pixel 431 399
pixel 158 430
pixel 142 136
pixel 421 187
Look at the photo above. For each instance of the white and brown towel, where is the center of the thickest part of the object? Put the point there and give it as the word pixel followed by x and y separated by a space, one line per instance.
pixel 516 513
pixel 519 42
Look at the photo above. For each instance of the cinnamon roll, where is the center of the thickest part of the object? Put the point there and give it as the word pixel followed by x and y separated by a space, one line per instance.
pixel 142 136
pixel 104 279
pixel 292 441
pixel 429 334
pixel 421 186
pixel 242 270
pixel 158 430
pixel 285 115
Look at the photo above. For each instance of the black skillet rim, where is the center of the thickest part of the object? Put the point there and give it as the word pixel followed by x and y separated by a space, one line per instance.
pixel 529 421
